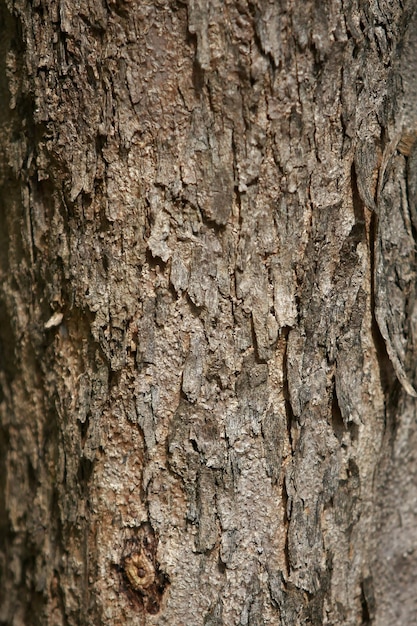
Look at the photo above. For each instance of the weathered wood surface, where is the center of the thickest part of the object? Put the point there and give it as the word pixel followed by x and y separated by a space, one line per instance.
pixel 207 314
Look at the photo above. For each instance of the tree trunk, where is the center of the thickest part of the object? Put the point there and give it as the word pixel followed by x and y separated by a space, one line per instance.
pixel 207 316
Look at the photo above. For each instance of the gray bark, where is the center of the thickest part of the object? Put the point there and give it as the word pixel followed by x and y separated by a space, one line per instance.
pixel 207 312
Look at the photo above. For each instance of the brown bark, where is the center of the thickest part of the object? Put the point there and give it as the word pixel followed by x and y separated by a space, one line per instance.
pixel 207 263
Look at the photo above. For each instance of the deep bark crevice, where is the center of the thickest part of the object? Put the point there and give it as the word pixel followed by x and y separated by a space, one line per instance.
pixel 387 373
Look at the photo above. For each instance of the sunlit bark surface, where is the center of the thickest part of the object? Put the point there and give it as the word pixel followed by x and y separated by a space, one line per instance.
pixel 207 312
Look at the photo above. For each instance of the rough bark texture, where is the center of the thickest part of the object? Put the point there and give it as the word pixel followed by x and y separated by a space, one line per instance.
pixel 208 325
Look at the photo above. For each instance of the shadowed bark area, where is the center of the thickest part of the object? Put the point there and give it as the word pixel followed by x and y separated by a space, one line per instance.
pixel 207 312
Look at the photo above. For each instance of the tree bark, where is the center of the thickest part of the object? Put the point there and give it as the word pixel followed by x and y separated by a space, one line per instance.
pixel 207 314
